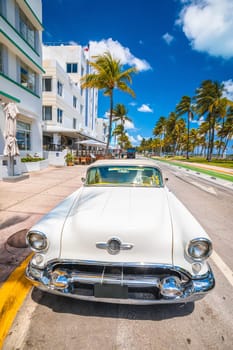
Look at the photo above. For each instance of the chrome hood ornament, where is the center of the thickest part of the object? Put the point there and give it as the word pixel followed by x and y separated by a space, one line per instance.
pixel 114 245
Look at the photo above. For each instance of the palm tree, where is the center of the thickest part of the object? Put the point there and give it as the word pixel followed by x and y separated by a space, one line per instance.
pixel 120 114
pixel 226 130
pixel 171 132
pixel 210 102
pixel 202 135
pixel 156 145
pixel 119 131
pixel 194 140
pixel 185 106
pixel 179 134
pixel 159 130
pixel 107 75
pixel 125 142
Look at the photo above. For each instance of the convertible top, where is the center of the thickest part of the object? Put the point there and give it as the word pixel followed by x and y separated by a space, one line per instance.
pixel 124 162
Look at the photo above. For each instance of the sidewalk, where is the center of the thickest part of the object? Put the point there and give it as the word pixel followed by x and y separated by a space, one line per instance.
pixel 24 202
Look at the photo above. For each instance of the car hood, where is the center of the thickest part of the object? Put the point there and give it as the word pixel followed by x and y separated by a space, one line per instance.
pixel 136 216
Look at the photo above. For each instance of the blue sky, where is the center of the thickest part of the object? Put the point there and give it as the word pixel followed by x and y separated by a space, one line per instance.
pixel 175 44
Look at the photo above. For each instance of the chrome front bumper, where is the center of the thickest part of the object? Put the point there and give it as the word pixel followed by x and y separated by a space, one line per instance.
pixel 124 284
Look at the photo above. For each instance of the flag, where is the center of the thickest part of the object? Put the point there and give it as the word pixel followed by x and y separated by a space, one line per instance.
pixel 86 48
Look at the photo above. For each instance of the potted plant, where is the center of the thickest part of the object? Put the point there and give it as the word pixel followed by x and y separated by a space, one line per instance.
pixel 69 159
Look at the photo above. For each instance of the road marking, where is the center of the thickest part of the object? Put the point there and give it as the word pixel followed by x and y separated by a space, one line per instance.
pixel 12 294
pixel 222 267
pixel 208 189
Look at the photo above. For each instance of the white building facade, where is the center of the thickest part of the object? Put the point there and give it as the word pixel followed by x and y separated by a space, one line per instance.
pixel 21 71
pixel 69 112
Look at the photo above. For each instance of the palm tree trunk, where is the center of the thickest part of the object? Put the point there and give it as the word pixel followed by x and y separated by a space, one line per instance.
pixel 209 138
pixel 225 146
pixel 187 153
pixel 212 138
pixel 221 140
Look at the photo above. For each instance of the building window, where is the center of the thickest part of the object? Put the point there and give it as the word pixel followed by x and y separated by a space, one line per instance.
pixel 1 57
pixel 59 115
pixel 59 88
pixel 3 7
pixel 47 113
pixel 23 136
pixel 27 30
pixel 47 84
pixel 74 101
pixel 74 123
pixel 71 67
pixel 27 77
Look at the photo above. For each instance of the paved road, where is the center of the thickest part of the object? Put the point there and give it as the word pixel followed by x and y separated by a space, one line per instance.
pixel 52 322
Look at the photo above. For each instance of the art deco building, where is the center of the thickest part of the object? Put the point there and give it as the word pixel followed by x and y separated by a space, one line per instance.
pixel 21 70
pixel 69 112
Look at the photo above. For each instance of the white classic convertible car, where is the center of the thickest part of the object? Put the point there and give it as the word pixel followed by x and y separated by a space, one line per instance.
pixel 123 237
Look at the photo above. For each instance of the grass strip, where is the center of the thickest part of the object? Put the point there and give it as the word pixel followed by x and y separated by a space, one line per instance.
pixel 200 170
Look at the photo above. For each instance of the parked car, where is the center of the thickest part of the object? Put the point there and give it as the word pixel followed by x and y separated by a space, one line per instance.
pixel 123 237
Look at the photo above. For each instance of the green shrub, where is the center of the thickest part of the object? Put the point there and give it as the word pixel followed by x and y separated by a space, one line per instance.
pixel 31 159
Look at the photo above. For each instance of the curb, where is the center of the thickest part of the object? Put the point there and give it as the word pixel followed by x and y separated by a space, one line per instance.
pixel 12 294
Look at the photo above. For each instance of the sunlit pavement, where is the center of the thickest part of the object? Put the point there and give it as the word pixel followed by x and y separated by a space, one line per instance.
pixel 22 203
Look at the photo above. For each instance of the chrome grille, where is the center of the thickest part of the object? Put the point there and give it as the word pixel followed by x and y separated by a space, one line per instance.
pixel 132 276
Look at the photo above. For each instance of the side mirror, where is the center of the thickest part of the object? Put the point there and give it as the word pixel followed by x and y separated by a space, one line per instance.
pixel 83 179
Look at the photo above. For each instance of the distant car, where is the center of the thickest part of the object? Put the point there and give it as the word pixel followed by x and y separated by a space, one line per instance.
pixel 131 153
pixel 123 237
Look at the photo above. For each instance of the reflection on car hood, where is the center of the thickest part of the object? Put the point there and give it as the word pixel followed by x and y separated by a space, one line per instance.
pixel 139 216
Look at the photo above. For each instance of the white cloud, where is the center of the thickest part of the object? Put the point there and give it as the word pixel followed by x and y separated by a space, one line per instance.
pixel 118 51
pixel 208 24
pixel 198 121
pixel 135 140
pixel 228 87
pixel 145 108
pixel 133 104
pixel 129 125
pixel 71 42
pixel 132 139
pixel 168 38
pixel 139 138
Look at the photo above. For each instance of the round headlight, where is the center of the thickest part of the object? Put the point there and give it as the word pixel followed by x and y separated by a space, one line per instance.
pixel 37 241
pixel 199 249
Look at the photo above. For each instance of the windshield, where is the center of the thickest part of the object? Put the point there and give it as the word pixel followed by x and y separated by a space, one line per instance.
pixel 124 176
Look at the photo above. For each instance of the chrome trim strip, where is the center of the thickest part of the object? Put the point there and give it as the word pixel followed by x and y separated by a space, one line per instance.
pixel 123 264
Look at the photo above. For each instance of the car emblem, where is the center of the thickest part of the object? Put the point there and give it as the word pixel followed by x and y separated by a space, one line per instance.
pixel 114 245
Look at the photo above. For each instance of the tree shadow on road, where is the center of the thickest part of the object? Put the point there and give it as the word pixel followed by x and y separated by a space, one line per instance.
pixel 60 304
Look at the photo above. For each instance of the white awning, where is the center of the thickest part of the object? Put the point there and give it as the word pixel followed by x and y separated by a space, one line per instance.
pixel 61 130
pixel 91 143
